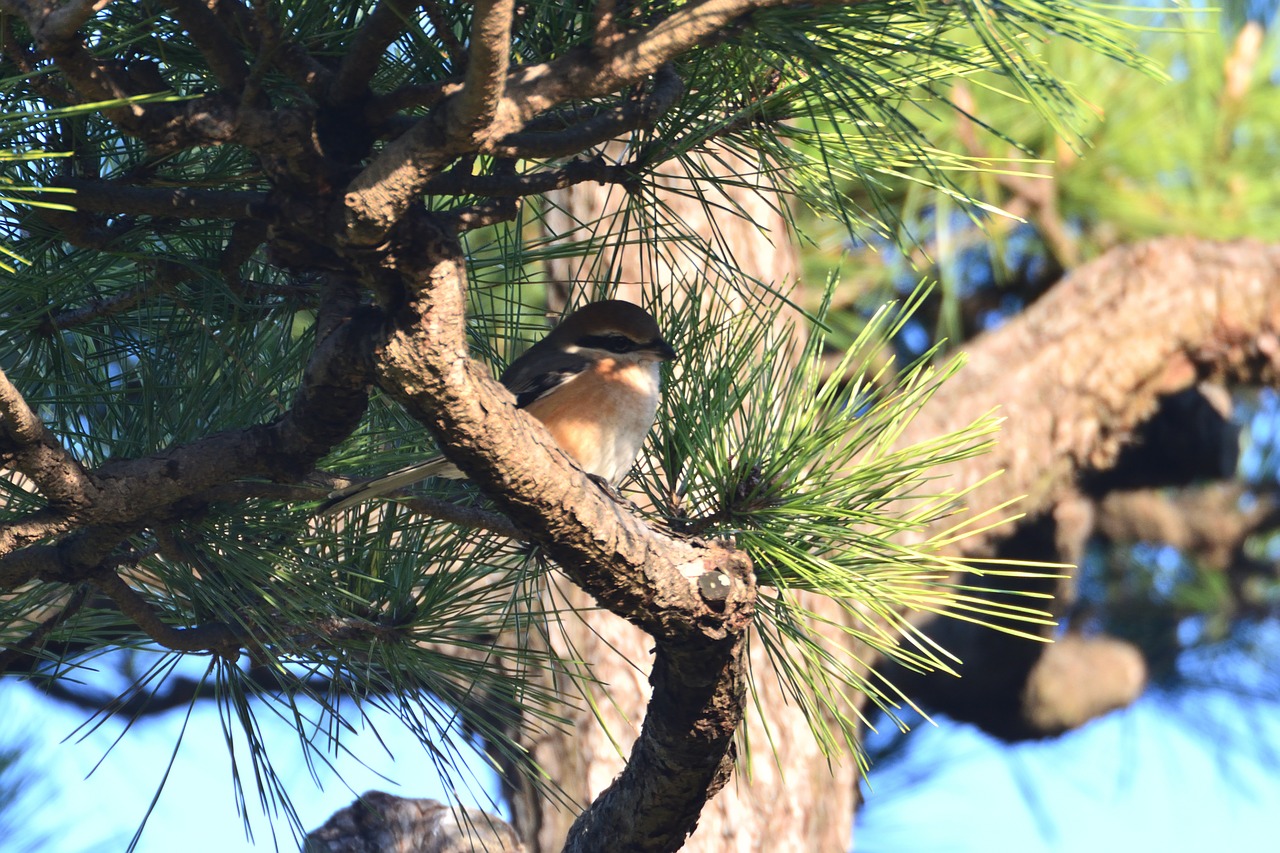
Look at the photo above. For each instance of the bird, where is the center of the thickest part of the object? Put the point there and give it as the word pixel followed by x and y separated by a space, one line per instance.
pixel 593 381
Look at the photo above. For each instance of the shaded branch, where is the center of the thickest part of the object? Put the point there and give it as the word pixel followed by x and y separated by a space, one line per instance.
pixel 383 26
pixel 36 639
pixel 97 309
pixel 20 561
pixel 596 169
pixel 443 30
pixel 182 202
pixel 480 214
pixel 206 30
pixel 36 453
pixel 383 108
pixel 220 638
pixel 167 276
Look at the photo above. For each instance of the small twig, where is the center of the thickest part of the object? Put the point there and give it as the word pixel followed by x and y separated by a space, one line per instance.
pixel 219 637
pixel 37 637
pixel 460 182
pixel 246 236
pixel 480 214
pixel 383 26
pixel 476 106
pixel 444 31
pixel 96 309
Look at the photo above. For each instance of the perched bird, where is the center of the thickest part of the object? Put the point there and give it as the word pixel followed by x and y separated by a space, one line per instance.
pixel 593 380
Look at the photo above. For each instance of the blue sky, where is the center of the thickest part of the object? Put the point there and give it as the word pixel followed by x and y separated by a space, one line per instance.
pixel 1195 771
pixel 1177 772
pixel 111 799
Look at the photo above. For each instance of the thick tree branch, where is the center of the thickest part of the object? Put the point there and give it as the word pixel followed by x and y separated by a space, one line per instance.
pixel 327 407
pixel 476 107
pixel 183 202
pixel 37 454
pixel 633 570
pixel 206 30
pixel 1179 310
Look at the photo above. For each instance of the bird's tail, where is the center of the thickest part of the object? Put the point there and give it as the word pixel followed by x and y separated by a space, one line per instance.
pixel 354 494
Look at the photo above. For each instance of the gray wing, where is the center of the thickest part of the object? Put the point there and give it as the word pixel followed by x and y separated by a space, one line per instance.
pixel 540 371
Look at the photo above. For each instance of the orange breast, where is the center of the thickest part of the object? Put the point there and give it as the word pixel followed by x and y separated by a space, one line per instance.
pixel 601 416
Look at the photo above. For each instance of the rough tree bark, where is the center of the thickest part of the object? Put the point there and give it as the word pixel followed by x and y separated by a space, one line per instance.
pixel 1079 376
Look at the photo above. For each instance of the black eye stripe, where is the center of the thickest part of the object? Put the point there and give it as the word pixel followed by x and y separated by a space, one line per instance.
pixel 609 343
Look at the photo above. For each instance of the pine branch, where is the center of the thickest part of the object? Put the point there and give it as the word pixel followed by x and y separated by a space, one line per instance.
pixel 443 30
pixel 635 113
pixel 36 639
pixel 37 454
pixel 383 26
pixel 327 407
pixel 207 32
pixel 220 638
pixel 117 197
pixel 480 214
pixel 473 110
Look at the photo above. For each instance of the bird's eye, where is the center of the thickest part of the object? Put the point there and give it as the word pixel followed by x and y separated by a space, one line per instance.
pixel 612 342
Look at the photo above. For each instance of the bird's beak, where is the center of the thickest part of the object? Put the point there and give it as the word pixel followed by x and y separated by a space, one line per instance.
pixel 663 350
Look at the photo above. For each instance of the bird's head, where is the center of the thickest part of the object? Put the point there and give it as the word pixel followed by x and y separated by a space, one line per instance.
pixel 615 329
